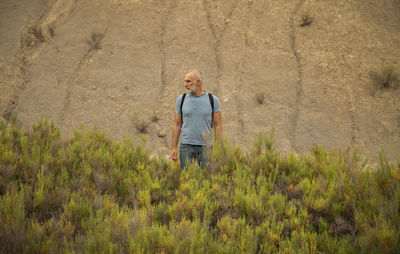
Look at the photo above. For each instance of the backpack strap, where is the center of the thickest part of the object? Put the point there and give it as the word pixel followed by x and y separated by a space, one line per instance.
pixel 183 98
pixel 210 96
pixel 211 102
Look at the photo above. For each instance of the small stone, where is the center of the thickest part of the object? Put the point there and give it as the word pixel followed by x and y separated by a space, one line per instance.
pixel 161 134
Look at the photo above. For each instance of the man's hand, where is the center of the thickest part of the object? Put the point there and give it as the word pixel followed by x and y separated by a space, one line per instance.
pixel 174 154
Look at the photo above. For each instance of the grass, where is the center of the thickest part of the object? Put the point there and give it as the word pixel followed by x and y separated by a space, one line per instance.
pixel 89 194
pixel 386 76
pixel 27 40
pixel 95 39
pixel 140 122
pixel 307 18
pixel 36 34
pixel 36 31
pixel 142 127
pixel 155 116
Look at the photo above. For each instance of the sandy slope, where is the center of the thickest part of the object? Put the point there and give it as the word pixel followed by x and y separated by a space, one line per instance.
pixel 316 79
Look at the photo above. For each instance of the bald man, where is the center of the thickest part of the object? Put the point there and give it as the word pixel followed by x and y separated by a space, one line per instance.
pixel 194 122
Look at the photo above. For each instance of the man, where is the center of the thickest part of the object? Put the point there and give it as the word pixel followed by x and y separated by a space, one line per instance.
pixel 193 124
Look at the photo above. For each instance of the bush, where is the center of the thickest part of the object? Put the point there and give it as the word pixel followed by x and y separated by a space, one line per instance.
pixel 386 76
pixel 34 35
pixel 141 122
pixel 95 39
pixel 307 18
pixel 90 194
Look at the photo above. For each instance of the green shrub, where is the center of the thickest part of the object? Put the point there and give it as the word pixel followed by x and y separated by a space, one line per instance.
pixel 91 194
pixel 13 222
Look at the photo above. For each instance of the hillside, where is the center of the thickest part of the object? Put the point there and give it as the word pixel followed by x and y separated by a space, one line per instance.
pixel 119 65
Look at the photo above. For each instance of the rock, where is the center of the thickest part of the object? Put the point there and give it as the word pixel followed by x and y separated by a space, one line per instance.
pixel 161 134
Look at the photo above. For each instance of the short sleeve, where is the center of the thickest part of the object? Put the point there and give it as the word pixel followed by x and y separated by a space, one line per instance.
pixel 178 105
pixel 217 106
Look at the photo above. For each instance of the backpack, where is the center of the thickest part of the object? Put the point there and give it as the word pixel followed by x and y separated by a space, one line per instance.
pixel 212 107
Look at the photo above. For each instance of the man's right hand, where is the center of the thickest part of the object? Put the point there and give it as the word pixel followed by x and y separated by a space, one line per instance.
pixel 174 154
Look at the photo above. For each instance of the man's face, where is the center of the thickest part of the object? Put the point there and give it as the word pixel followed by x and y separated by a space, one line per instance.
pixel 191 85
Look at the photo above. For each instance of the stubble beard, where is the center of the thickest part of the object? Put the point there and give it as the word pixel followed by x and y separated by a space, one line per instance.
pixel 194 90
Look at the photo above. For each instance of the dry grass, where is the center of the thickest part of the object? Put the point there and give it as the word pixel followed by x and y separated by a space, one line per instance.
pixel 142 127
pixel 155 117
pixel 307 18
pixel 96 37
pixel 140 122
pixel 34 35
pixel 36 30
pixel 386 77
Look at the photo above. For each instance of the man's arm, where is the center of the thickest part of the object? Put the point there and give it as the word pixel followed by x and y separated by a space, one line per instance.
pixel 176 131
pixel 218 125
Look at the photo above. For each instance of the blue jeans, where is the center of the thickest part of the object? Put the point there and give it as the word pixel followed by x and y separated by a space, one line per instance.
pixel 189 153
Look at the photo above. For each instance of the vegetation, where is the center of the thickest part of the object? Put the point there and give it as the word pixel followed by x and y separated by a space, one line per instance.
pixel 155 116
pixel 386 76
pixel 89 194
pixel 96 37
pixel 37 33
pixel 307 18
pixel 33 36
pixel 141 123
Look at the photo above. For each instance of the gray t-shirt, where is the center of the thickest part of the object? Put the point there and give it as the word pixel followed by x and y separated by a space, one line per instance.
pixel 196 128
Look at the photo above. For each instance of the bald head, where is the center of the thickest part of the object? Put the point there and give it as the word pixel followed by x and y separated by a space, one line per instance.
pixel 195 74
pixel 193 82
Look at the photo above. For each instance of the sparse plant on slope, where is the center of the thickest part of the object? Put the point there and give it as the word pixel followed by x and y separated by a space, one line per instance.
pixel 387 76
pixel 37 33
pixel 307 18
pixel 95 39
pixel 141 123
pixel 33 36
pixel 155 117
pixel 36 30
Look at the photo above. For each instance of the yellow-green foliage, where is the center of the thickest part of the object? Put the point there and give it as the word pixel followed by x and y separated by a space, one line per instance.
pixel 89 194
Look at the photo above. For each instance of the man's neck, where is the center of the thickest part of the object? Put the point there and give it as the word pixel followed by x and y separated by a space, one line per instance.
pixel 201 92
